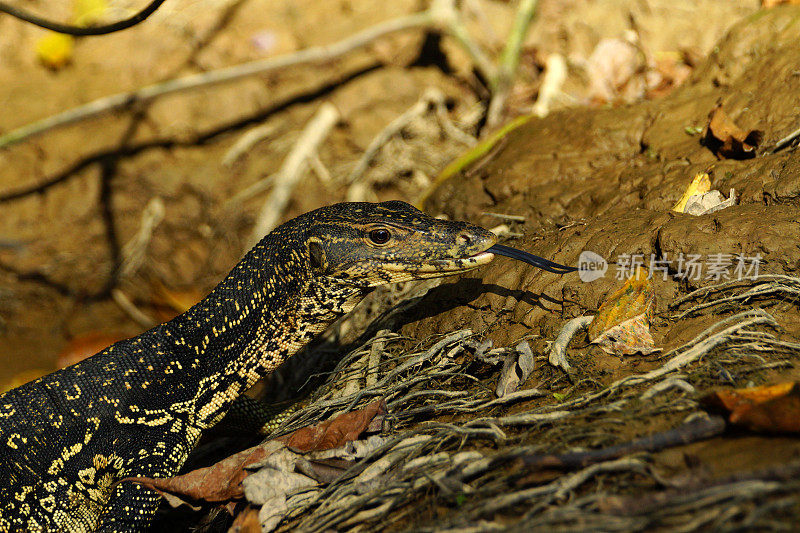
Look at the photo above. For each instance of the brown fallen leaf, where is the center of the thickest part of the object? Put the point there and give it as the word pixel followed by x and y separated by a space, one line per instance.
pixel 222 481
pixel 622 324
pixel 336 432
pixel 727 140
pixel 218 483
pixel 771 408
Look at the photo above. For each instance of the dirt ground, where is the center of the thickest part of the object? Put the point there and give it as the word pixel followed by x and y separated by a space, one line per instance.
pixel 591 175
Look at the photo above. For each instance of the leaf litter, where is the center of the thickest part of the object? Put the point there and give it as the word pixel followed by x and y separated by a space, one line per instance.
pixel 228 479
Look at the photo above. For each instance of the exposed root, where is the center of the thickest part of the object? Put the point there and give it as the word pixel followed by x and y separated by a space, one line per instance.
pixel 425 458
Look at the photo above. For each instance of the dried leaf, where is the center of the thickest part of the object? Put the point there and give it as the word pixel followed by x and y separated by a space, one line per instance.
pixel 516 369
pixel 635 297
pixel 324 471
pixel 772 408
pixel 351 451
pixel 702 204
pixel 220 482
pixel 334 433
pixel 274 484
pixel 272 512
pixel 225 480
pixel 727 140
pixel 629 337
pixel 616 70
pixel 700 184
pixel 83 346
pixel 622 323
pixel 670 69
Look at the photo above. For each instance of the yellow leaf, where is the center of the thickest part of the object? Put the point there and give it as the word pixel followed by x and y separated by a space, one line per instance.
pixel 700 184
pixel 622 322
pixel 54 50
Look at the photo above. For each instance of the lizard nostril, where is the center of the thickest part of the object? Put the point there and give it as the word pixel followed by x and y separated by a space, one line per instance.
pixel 464 238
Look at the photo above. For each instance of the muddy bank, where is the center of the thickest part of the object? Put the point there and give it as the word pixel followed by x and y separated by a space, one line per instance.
pixel 606 180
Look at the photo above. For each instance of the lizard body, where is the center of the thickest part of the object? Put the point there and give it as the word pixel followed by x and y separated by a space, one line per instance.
pixel 139 407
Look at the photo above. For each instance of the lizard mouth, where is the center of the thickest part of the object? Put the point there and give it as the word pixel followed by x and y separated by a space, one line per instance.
pixel 448 266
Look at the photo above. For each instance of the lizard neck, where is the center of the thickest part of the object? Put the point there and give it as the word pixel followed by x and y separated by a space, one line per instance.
pixel 262 313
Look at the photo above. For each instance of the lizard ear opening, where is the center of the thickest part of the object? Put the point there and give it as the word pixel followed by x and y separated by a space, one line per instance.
pixel 316 255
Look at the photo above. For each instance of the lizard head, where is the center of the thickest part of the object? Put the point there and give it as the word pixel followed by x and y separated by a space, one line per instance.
pixel 369 244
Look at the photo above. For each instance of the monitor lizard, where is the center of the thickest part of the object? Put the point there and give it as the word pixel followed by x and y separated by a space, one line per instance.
pixel 139 407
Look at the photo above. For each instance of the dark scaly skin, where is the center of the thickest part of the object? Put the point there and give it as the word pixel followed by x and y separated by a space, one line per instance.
pixel 139 407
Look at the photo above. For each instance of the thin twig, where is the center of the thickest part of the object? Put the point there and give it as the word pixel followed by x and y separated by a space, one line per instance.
pixel 253 190
pixel 396 126
pixel 430 97
pixel 698 347
pixel 136 314
pixel 205 79
pixel 447 16
pixel 475 9
pixel 319 168
pixel 697 429
pixel 246 142
pixel 786 140
pixel 373 365
pixel 292 170
pixel 504 216
pixel 133 253
pixel 510 61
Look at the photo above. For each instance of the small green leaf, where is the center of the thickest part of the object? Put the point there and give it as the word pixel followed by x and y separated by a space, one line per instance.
pixel 559 396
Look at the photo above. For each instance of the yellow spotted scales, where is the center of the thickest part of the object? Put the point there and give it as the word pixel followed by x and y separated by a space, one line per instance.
pixel 139 407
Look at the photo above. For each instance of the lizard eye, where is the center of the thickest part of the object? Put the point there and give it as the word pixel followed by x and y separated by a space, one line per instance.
pixel 380 236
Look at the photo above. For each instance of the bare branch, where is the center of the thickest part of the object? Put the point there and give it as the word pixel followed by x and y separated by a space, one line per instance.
pixel 292 170
pixel 81 31
pixel 225 75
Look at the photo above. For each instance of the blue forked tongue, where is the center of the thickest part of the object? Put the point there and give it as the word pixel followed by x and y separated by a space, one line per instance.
pixel 531 259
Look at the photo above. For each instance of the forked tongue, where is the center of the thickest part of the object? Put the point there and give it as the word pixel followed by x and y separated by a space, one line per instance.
pixel 535 260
